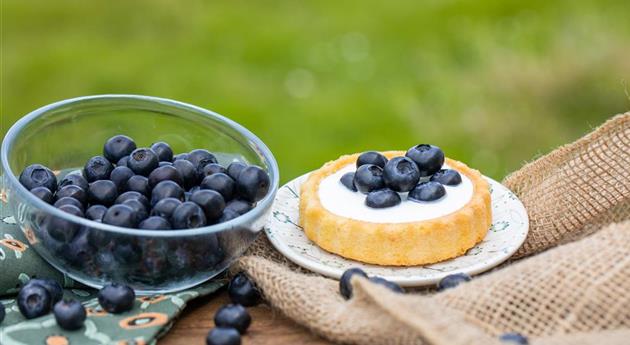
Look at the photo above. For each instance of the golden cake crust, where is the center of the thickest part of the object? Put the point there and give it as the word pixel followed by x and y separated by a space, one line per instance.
pixel 396 244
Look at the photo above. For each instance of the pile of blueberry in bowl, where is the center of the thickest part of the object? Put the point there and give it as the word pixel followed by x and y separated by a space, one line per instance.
pixel 101 207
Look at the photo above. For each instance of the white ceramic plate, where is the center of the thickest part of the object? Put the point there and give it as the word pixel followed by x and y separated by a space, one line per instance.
pixel 508 231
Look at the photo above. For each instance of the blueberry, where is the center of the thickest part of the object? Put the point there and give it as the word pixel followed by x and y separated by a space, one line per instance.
pixel 514 338
pixel 120 175
pixel 43 193
pixel 372 157
pixel 165 173
pixel 116 298
pixel 61 229
pixel 33 301
pixel 102 192
pixel 427 191
pixel 242 291
pixel 452 280
pixel 163 164
pixel 179 157
pixel 368 177
pixel 155 223
pixel 138 208
pixel 69 314
pixel 140 184
pixel 72 191
pixel 200 157
pixel 209 169
pixel 348 181
pixel 382 198
pixel 166 189
pixel 188 215
pixel 74 179
pixel 96 212
pixel 120 215
pixel 221 183
pixel 187 172
pixel 223 336
pixel 142 161
pixel 228 215
pixel 252 183
pixel 97 168
pixel 233 316
pixel 235 168
pixel 68 201
pixel 123 161
pixel 165 208
pixel 210 201
pixel 239 206
pixel 163 151
pixel 386 283
pixel 345 287
pixel 429 158
pixel 401 174
pixel 2 313
pixel 37 175
pixel 131 195
pixel 447 177
pixel 52 286
pixel 117 147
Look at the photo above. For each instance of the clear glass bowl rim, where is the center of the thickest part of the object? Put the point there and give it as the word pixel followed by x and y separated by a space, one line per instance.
pixel 246 218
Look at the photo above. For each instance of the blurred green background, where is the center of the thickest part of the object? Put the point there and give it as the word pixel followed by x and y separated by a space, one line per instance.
pixel 494 83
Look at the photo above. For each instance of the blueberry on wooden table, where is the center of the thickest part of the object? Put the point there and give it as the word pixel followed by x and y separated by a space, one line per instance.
pixel 348 181
pixel 155 223
pixel 163 151
pixel 72 191
pixel 118 147
pixel 252 184
pixel 142 161
pixel 223 336
pixel 102 192
pixel 447 177
pixel 74 179
pixel 140 184
pixel 427 191
pixel 233 316
pixel 188 215
pixel 68 201
pixel 43 193
pixel 369 177
pixel 401 174
pixel 69 314
pixel 514 338
pixel 97 168
pixel 163 173
pixel 166 189
pixel 187 172
pixel 345 287
pixel 371 157
pixel 235 168
pixel 452 280
pixel 210 201
pixel 121 215
pixel 165 208
pixel 33 301
pixel 221 183
pixel 388 284
pixel 120 175
pixel 382 198
pixel 243 291
pixel 116 298
pixel 429 158
pixel 37 175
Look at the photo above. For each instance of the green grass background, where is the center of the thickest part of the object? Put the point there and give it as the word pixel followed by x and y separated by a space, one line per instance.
pixel 494 83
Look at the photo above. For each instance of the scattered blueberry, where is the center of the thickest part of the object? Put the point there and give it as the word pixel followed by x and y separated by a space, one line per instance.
pixel 140 184
pixel 155 223
pixel 120 175
pixel 452 280
pixel 427 191
pixel 165 173
pixel 123 161
pixel 223 336
pixel 514 338
pixel 69 314
pixel 96 212
pixel 235 168
pixel 187 172
pixel 386 283
pixel 43 193
pixel 382 198
pixel 139 209
pixel 165 208
pixel 242 291
pixel 33 301
pixel 37 175
pixel 221 183
pixel 447 177
pixel 68 201
pixel 253 183
pixel 74 179
pixel 239 206
pixel 200 157
pixel 368 177
pixel 102 192
pixel 97 168
pixel 166 189
pixel 429 158
pixel 372 157
pixel 345 287
pixel 233 316
pixel 142 161
pixel 52 286
pixel 401 174
pixel 188 215
pixel 72 191
pixel 210 201
pixel 348 181
pixel 132 195
pixel 163 151
pixel 120 215
pixel 117 147
pixel 116 298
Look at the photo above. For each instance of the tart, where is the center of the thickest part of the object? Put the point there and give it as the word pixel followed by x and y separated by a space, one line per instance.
pixel 405 232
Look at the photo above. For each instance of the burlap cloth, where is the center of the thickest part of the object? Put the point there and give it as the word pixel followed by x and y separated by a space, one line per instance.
pixel 575 290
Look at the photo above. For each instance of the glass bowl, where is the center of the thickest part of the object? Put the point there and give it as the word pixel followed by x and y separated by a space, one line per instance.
pixel 64 135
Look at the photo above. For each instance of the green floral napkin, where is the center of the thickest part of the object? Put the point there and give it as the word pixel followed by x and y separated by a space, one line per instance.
pixel 151 317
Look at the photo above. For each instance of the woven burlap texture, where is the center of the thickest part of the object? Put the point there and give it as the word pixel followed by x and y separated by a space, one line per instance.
pixel 576 290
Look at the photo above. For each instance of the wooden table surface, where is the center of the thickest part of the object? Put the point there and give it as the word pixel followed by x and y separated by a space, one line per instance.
pixel 268 327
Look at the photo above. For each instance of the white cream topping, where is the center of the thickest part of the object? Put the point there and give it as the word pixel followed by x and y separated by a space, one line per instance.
pixel 339 200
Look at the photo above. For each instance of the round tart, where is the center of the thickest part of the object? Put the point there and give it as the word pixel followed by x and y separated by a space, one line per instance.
pixel 410 233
